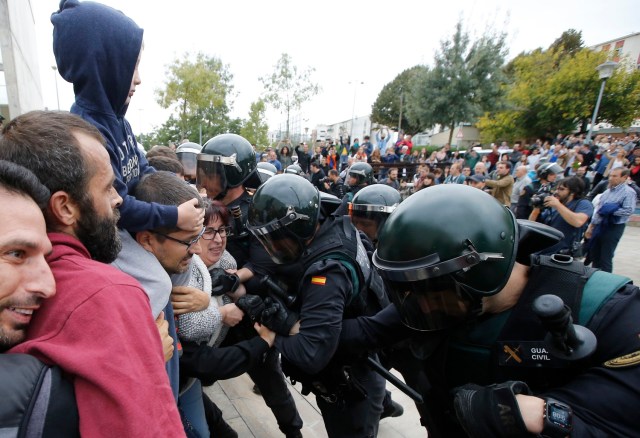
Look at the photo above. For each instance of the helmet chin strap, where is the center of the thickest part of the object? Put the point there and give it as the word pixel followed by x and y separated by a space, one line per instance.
pixel 222 194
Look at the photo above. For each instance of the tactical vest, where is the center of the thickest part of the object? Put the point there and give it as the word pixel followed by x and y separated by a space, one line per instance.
pixel 37 401
pixel 510 346
pixel 337 239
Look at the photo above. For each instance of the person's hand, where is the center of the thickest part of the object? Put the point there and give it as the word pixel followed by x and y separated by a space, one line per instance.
pixel 252 305
pixel 231 314
pixel 165 338
pixel 265 333
pixel 278 318
pixel 493 410
pixel 552 202
pixel 190 217
pixel 588 233
pixel 186 299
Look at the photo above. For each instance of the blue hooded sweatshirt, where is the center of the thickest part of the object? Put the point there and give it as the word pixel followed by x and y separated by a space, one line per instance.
pixel 96 48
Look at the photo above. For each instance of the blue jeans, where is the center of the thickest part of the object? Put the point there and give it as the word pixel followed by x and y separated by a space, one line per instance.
pixel 191 404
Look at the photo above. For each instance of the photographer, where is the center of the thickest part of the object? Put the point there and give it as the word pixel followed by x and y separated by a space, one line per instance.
pixel 567 211
pixel 333 184
pixel 537 192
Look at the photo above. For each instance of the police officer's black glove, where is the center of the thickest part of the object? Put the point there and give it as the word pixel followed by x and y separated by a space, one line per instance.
pixel 223 282
pixel 485 411
pixel 277 317
pixel 251 305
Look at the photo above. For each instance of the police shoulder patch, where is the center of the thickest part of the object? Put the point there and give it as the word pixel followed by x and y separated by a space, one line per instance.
pixel 624 361
pixel 320 281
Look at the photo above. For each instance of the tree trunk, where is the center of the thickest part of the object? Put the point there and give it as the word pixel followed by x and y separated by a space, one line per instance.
pixel 453 125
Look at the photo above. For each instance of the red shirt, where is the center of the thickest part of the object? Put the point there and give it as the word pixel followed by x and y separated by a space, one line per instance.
pixel 98 328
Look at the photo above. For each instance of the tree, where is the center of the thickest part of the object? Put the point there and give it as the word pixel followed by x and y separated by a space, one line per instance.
pixel 255 129
pixel 555 92
pixel 466 81
pixel 198 91
pixel 387 110
pixel 287 87
pixel 569 42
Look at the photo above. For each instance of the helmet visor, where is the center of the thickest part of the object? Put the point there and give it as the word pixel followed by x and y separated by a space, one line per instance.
pixel 283 246
pixel 189 162
pixel 429 305
pixel 211 177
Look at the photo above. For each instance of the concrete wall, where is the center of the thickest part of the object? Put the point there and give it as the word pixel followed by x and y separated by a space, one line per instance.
pixel 20 57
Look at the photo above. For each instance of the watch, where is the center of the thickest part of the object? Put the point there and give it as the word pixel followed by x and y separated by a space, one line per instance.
pixel 558 419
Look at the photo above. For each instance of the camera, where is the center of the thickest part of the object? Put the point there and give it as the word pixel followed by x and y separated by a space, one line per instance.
pixel 325 180
pixel 537 199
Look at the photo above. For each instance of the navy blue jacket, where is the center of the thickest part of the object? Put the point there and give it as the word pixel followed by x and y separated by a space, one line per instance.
pixel 96 48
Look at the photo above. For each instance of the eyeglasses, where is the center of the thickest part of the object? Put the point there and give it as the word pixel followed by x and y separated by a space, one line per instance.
pixel 210 233
pixel 184 242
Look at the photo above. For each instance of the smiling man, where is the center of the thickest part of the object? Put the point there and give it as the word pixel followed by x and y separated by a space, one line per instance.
pixel 98 328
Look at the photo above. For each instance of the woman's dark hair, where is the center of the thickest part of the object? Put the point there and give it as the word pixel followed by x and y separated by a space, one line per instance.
pixel 215 209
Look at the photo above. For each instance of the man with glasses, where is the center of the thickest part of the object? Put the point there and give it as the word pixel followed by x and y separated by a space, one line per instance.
pixel 569 212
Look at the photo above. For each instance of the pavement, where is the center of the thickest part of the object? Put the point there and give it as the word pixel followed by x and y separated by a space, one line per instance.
pixel 247 413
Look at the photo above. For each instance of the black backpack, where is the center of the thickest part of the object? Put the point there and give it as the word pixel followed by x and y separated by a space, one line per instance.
pixel 36 400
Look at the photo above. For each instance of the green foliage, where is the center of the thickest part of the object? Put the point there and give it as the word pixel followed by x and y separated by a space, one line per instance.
pixel 569 42
pixel 255 129
pixel 466 81
pixel 555 91
pixel 287 88
pixel 386 109
pixel 197 91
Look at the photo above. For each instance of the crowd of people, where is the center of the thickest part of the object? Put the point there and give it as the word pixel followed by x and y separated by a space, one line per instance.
pixel 131 282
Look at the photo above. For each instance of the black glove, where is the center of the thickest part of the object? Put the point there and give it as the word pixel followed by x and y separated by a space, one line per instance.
pixel 490 411
pixel 223 282
pixel 251 305
pixel 277 318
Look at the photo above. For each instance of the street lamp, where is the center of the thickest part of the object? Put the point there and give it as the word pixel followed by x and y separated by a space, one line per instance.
pixel 55 79
pixel 605 70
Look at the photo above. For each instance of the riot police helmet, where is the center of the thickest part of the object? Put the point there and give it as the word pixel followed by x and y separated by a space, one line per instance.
pixel 294 169
pixel 226 161
pixel 266 170
pixel 363 174
pixel 437 262
pixel 187 154
pixel 546 169
pixel 284 216
pixel 371 207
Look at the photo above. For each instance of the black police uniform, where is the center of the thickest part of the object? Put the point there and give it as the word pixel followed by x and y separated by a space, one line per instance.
pixel 348 393
pixel 267 374
pixel 602 390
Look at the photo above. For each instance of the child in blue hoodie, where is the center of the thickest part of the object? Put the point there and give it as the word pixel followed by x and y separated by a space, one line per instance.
pixel 98 48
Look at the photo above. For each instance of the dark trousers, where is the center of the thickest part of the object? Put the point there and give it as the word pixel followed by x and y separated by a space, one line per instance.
pixel 273 387
pixel 355 418
pixel 604 247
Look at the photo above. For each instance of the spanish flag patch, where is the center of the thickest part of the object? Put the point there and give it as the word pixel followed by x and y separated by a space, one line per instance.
pixel 320 281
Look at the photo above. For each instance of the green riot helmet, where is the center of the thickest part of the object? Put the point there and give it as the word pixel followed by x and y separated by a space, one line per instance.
pixel 371 206
pixel 266 171
pixel 187 154
pixel 442 250
pixel 295 169
pixel 284 215
pixel 226 161
pixel 363 174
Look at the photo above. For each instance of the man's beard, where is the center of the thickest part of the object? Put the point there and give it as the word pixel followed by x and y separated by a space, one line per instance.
pixel 99 235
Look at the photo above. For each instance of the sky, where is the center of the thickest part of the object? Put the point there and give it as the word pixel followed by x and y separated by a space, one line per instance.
pixel 355 47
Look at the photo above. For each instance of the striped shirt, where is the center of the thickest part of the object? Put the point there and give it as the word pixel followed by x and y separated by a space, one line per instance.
pixel 622 195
